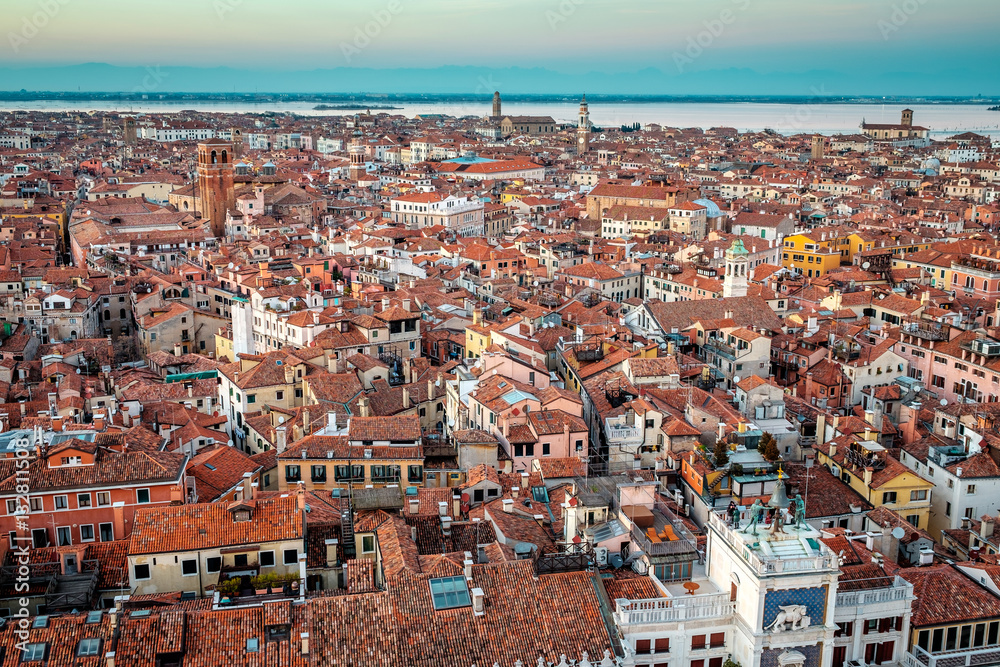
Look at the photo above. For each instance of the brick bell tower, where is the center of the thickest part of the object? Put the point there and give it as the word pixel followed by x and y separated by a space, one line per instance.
pixel 216 194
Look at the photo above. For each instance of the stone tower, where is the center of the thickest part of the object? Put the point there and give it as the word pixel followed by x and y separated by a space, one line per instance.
pixel 583 128
pixel 737 267
pixel 907 119
pixel 216 194
pixel 357 168
pixel 817 147
pixel 129 129
pixel 236 134
pixel 496 104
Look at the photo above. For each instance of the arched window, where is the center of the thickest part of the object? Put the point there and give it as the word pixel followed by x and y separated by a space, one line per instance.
pixel 970 282
pixel 121 314
pixel 986 286
pixel 215 158
pixel 225 157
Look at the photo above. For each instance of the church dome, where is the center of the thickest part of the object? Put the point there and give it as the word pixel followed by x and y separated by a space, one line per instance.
pixel 713 209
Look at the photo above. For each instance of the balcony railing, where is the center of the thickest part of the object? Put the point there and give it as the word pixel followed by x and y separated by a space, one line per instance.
pixel 622 433
pixel 918 657
pixel 721 349
pixel 673 610
pixel 898 590
pixel 768 565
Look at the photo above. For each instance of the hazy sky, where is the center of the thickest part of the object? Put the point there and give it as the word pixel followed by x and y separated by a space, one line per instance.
pixel 859 38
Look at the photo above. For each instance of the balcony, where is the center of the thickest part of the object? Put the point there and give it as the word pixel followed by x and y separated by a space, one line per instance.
pixel 659 611
pixel 754 552
pixel 622 435
pixel 918 657
pixel 899 590
pixel 683 541
pixel 720 348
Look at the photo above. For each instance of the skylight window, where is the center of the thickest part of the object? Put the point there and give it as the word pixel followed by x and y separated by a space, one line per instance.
pixel 141 613
pixel 41 622
pixel 450 593
pixel 253 645
pixel 94 616
pixel 210 466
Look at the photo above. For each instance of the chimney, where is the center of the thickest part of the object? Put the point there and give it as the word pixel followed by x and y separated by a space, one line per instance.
pixel 515 491
pixel 868 476
pixel 430 388
pixel 331 551
pixel 289 374
pixel 443 508
pixel 508 505
pixel 305 643
pixel 385 303
pixel 986 527
pixel 363 406
pixel 109 657
pixel 467 565
pixel 478 602
pixel 414 505
pixel 281 436
pixel 331 421
pixel 505 426
pixel 456 505
pixel 406 398
pixel 300 496
pixel 247 488
pixel 305 421
pixel 190 389
pixel 406 305
pixel 524 480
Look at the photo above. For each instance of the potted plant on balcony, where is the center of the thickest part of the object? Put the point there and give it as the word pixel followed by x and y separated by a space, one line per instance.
pixel 228 589
pixel 260 583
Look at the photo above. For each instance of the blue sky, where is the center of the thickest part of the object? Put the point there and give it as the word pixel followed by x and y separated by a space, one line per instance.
pixel 870 39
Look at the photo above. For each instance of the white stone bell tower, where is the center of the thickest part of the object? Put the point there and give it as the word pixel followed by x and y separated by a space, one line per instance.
pixel 737 270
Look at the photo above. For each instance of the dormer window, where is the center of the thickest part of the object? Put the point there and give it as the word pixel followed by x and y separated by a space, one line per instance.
pixel 241 515
pixel 71 461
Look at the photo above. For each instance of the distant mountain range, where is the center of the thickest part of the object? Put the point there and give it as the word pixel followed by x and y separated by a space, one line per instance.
pixel 477 81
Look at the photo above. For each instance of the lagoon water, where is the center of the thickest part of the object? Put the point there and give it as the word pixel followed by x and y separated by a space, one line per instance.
pixel 941 119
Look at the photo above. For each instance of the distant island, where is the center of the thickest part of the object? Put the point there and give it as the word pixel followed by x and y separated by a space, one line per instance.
pixel 996 108
pixel 353 107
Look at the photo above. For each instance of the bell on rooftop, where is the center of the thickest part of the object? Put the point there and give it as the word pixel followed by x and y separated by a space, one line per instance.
pixel 779 499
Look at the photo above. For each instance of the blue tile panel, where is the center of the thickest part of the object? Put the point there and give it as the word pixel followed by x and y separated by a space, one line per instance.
pixel 814 600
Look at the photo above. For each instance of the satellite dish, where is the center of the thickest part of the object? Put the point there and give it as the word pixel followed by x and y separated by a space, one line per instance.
pixel 736 379
pixel 866 265
pixel 229 442
pixel 898 532
pixel 944 402
pixel 281 420
pixel 231 265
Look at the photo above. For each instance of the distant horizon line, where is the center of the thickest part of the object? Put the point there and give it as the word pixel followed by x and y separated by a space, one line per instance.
pixel 381 96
